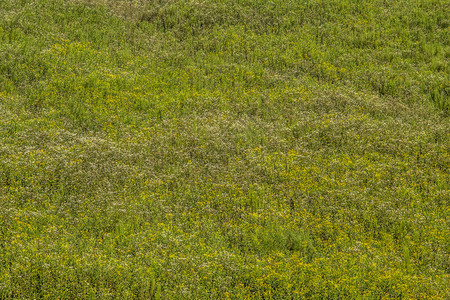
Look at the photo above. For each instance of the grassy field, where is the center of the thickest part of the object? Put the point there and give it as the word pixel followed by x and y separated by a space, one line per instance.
pixel 224 149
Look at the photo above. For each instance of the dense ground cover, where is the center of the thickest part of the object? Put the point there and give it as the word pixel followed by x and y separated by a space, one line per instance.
pixel 224 149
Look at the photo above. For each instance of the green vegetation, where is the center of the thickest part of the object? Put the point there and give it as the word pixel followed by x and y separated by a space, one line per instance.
pixel 224 149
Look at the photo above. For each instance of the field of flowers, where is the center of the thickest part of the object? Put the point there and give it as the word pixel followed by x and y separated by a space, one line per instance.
pixel 224 149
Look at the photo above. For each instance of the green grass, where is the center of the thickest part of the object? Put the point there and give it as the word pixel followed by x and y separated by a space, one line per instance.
pixel 224 149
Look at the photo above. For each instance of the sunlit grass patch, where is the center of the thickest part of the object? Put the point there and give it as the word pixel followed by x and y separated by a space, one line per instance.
pixel 223 149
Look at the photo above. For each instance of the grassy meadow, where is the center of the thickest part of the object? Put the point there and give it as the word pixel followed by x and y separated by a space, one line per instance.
pixel 224 149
